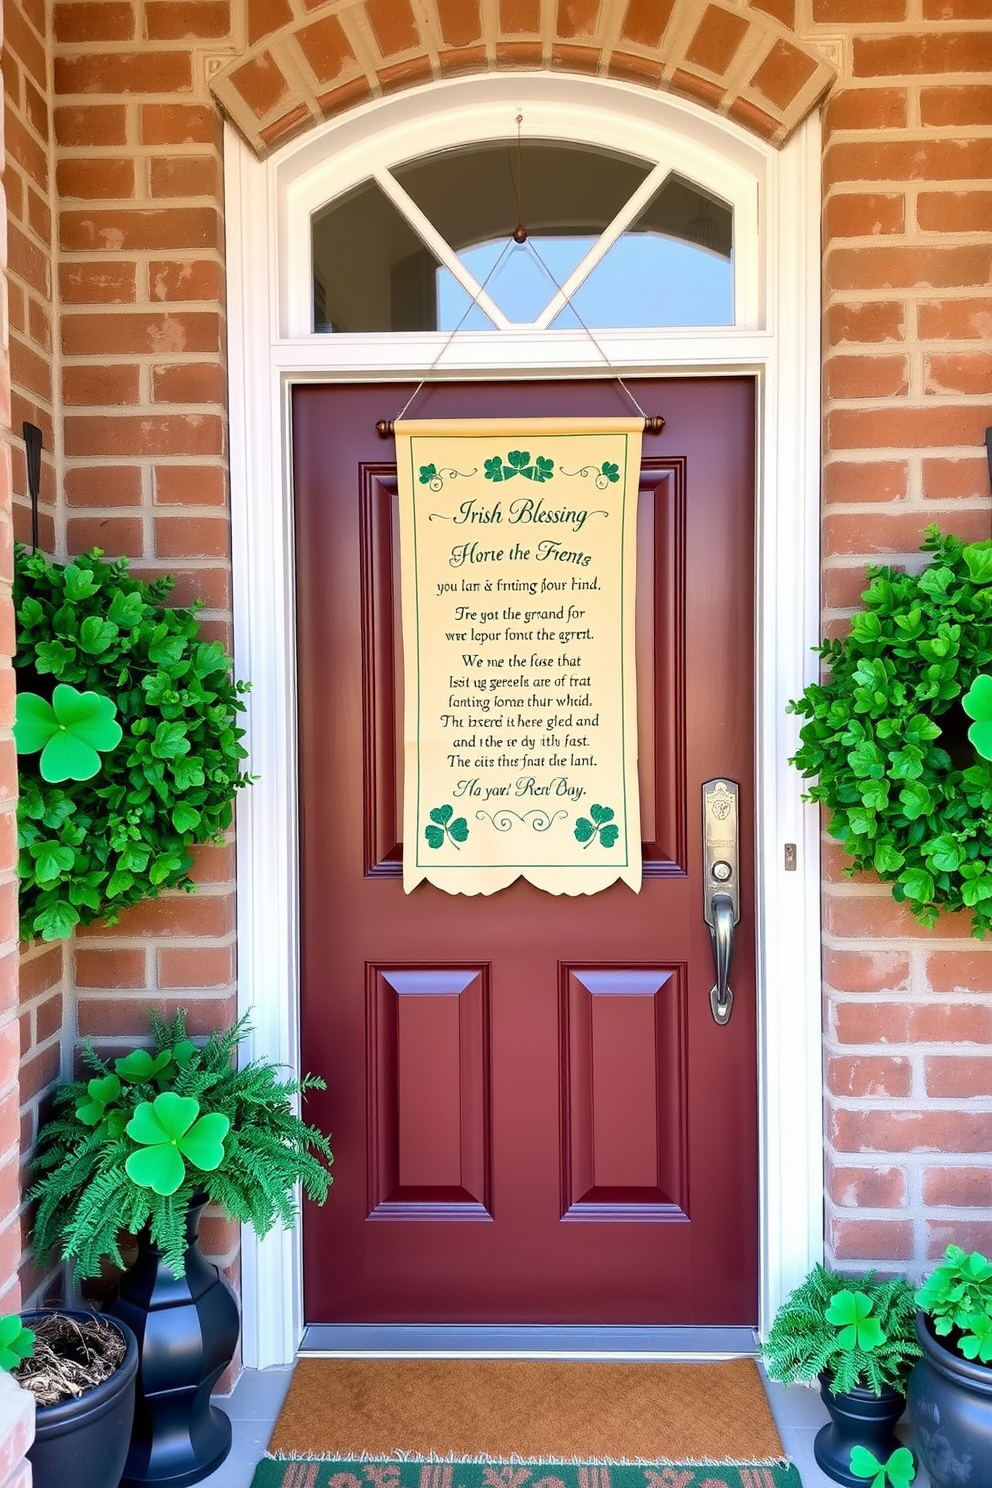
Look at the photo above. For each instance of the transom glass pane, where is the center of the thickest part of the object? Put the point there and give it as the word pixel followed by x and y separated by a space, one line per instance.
pixel 672 265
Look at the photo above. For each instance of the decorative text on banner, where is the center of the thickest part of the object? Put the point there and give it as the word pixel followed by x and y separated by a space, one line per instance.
pixel 517 546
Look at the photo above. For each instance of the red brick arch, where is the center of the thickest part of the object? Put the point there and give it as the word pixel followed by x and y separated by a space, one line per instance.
pixel 310 59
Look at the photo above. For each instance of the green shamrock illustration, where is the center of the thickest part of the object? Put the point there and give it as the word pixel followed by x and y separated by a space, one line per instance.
pixel 977 703
pixel 610 470
pixel 167 1131
pixel 16 1341
pixel 69 731
pixel 518 462
pixel 899 1470
pixel 849 1311
pixel 602 826
pixel 427 474
pixel 443 826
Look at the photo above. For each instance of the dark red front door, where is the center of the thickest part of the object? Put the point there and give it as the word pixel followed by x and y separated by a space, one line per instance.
pixel 534 1115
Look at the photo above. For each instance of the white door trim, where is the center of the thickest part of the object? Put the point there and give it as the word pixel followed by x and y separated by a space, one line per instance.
pixel 779 346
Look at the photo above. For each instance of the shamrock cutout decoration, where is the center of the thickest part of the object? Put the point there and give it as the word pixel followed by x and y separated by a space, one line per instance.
pixel 610 469
pixel 139 1065
pixel 427 474
pixel 167 1131
pixel 16 1341
pixel 976 1341
pixel 494 469
pixel 69 731
pixel 102 1093
pixel 543 469
pixel 977 703
pixel 849 1311
pixel 899 1470
pixel 518 461
pixel 442 826
pixel 602 826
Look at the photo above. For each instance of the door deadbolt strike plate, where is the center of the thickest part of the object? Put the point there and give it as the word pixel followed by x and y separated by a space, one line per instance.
pixel 721 866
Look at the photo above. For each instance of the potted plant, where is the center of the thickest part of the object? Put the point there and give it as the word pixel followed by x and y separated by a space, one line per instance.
pixel 141 1147
pixel 856 1335
pixel 81 1370
pixel 950 1388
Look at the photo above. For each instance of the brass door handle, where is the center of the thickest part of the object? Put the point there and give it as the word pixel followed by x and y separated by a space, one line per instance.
pixel 721 896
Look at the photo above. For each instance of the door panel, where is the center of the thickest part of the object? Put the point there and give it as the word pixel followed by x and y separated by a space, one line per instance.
pixel 534 1116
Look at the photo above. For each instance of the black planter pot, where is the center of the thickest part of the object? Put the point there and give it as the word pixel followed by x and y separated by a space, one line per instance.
pixel 187 1331
pixel 950 1410
pixel 83 1441
pixel 858 1418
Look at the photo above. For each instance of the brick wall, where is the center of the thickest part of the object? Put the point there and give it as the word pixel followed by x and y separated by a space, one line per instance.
pixel 908 394
pixel 137 421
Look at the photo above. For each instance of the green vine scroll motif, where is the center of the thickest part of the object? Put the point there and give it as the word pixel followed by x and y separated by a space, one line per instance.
pixel 602 826
pixel 442 826
pixel 605 475
pixel 518 462
pixel 435 479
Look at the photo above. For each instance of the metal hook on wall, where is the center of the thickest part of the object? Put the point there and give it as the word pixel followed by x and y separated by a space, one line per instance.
pixel 32 453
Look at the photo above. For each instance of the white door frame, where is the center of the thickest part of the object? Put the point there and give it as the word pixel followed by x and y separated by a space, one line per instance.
pixel 270 350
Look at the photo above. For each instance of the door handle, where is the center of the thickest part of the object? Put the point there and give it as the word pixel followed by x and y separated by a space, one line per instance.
pixel 721 896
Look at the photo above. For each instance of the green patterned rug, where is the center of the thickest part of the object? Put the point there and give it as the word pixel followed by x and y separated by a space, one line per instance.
pixel 322 1472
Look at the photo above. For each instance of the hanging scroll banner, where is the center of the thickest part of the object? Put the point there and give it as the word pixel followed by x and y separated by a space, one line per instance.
pixel 517 559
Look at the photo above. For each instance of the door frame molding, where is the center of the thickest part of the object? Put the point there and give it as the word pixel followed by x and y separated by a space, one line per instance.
pixel 783 354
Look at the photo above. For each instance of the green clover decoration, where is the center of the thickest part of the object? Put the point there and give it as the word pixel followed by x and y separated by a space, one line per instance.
pixel 602 826
pixel 92 1110
pixel 139 1066
pixel 16 1341
pixel 167 1131
pixel 849 1311
pixel 443 826
pixel 518 462
pixel 899 1470
pixel 610 469
pixel 71 731
pixel 977 703
pixel 975 1341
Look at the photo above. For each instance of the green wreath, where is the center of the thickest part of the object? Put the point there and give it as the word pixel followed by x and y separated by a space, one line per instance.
pixel 909 793
pixel 92 847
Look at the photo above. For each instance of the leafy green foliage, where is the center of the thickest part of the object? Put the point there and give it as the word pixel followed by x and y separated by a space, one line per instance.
pixel 957 1297
pixel 806 1341
pixel 91 848
pixel 72 731
pixel 602 826
pixel 16 1341
pixel 442 825
pixel 899 1470
pixel 916 812
pixel 85 1184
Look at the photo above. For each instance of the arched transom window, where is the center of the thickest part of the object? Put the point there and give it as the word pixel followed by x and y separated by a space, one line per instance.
pixel 547 234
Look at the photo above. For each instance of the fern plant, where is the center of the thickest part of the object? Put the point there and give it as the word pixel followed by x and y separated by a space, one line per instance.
pixel 130 1146
pixel 857 1331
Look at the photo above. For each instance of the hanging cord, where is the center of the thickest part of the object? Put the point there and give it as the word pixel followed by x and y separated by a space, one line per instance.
pixel 649 421
pixel 653 423
pixel 384 427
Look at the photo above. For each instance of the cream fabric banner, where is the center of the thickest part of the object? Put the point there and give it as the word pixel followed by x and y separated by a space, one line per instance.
pixel 517 544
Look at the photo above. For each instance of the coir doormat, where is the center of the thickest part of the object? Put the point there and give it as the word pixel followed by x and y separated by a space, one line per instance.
pixel 500 1423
